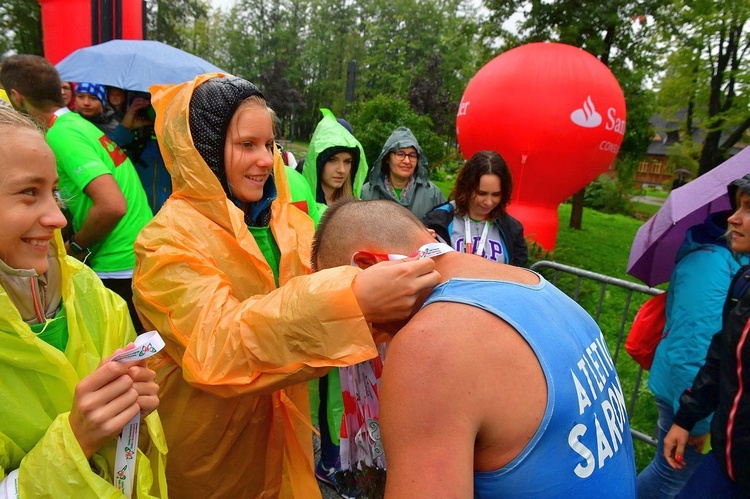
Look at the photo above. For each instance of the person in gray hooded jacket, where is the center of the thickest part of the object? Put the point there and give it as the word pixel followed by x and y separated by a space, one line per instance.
pixel 400 174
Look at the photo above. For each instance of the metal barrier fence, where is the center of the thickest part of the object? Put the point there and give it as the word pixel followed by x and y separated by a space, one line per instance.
pixel 584 278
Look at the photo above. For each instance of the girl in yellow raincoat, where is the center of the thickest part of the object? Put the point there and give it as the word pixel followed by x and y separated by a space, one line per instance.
pixel 222 274
pixel 62 402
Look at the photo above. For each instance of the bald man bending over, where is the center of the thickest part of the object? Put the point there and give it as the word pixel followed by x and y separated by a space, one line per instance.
pixel 499 386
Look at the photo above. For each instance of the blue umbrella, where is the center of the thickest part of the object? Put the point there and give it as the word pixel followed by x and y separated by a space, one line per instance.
pixel 133 65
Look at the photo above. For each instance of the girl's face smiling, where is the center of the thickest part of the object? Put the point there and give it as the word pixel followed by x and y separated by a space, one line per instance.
pixel 28 200
pixel 248 152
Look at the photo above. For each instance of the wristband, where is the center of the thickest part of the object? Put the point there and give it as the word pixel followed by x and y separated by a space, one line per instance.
pixel 78 248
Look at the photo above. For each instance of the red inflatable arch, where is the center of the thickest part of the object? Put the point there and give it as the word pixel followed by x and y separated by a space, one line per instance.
pixel 557 116
pixel 68 25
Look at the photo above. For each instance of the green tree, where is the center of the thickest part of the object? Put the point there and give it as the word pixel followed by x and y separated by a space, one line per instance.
pixel 334 38
pixel 615 32
pixel 173 21
pixel 707 74
pixel 429 96
pixel 21 27
pixel 403 38
pixel 377 118
pixel 281 95
pixel 438 82
pixel 261 41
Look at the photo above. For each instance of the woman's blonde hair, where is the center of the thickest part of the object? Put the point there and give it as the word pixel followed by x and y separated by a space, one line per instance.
pixel 12 118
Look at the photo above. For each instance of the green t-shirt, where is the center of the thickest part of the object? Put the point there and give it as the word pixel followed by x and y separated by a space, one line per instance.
pixel 84 153
pixel 269 248
pixel 398 192
pixel 54 331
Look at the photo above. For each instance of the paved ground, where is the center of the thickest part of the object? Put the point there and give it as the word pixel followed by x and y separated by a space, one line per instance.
pixel 649 200
pixel 328 492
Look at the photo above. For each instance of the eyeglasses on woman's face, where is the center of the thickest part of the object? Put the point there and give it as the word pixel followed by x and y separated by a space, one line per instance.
pixel 400 155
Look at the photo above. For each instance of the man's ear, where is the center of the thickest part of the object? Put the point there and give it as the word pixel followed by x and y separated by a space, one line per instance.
pixel 364 260
pixel 16 99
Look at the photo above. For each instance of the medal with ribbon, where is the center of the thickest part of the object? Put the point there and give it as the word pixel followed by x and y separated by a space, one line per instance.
pixel 146 345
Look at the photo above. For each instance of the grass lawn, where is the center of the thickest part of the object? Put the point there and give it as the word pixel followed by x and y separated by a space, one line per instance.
pixel 445 186
pixel 657 193
pixel 644 211
pixel 299 149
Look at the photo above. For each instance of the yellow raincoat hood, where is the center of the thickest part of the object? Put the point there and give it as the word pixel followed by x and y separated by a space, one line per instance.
pixel 38 384
pixel 238 348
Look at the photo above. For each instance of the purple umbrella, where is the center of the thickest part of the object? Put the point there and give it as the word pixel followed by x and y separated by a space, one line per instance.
pixel 652 255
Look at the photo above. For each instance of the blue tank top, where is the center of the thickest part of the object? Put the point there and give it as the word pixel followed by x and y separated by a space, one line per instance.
pixel 582 447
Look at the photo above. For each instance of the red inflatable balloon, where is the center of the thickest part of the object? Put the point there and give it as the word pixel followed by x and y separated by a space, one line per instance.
pixel 556 114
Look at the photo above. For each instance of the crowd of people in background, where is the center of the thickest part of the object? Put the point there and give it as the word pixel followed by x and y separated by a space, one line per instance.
pixel 184 215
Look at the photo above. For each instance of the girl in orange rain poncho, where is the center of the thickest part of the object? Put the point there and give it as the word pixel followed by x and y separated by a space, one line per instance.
pixel 222 274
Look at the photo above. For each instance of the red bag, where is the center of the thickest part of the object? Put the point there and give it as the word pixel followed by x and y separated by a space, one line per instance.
pixel 647 329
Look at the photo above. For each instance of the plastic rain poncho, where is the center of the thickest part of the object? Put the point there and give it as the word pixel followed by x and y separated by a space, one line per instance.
pixel 238 350
pixel 37 388
pixel 331 135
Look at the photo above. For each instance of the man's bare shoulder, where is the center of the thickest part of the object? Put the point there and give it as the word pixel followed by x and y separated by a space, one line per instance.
pixel 446 332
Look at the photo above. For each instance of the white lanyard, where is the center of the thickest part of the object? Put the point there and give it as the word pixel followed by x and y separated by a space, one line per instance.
pixel 468 238
pixel 431 250
pixel 146 345
pixel 428 250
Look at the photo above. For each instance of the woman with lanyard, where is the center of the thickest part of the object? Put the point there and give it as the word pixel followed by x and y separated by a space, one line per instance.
pixel 475 219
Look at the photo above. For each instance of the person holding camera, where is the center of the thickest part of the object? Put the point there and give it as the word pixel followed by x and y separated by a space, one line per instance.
pixel 92 104
pixel 134 134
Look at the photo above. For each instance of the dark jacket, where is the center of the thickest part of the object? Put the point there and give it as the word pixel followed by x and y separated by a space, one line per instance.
pixel 440 220
pixel 106 122
pixel 423 197
pixel 723 385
